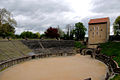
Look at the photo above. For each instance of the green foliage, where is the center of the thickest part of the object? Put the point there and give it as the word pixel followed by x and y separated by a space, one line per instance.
pixel 7 17
pixel 61 33
pixel 117 77
pixel 112 49
pixel 66 37
pixel 7 23
pixel 117 59
pixel 28 34
pixel 79 45
pixel 7 30
pixel 116 25
pixel 79 31
pixel 42 35
pixel 38 34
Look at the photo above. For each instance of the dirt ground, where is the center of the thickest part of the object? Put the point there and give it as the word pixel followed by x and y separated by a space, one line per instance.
pixel 57 68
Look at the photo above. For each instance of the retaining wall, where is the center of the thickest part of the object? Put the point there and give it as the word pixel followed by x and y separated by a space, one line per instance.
pixel 34 44
pixel 9 63
pixel 112 66
pixel 50 46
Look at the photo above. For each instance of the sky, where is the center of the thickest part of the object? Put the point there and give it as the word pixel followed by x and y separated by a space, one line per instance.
pixel 38 15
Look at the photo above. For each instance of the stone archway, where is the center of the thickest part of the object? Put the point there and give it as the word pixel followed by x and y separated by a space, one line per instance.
pixel 88 51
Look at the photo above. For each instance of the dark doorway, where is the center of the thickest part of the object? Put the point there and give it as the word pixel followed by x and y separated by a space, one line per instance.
pixel 89 52
pixel 33 57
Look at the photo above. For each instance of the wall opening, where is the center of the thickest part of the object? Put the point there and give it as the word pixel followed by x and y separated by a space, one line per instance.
pixel 89 52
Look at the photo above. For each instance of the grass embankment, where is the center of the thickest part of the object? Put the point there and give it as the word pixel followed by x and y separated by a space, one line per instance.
pixel 79 44
pixel 12 49
pixel 112 49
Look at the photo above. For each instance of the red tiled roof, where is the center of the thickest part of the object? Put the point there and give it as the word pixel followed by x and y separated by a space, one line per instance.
pixel 99 20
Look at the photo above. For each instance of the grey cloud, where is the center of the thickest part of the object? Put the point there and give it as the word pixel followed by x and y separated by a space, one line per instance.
pixel 38 14
pixel 106 6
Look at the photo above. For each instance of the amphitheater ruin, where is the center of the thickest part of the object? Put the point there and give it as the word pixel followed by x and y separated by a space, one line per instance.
pixel 52 60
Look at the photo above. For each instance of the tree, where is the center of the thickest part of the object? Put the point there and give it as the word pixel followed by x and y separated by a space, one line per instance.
pixel 60 32
pixel 52 33
pixel 7 30
pixel 116 26
pixel 7 17
pixel 26 34
pixel 7 23
pixel 79 31
pixel 31 35
pixel 70 29
pixel 38 34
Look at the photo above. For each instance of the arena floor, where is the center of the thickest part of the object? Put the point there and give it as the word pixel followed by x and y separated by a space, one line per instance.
pixel 57 68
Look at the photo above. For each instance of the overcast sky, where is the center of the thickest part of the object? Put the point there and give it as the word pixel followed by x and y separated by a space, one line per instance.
pixel 38 15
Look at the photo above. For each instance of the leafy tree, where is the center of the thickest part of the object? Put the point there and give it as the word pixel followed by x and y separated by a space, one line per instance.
pixel 52 33
pixel 31 35
pixel 7 17
pixel 116 26
pixel 60 32
pixel 79 31
pixel 26 34
pixel 66 37
pixel 38 34
pixel 70 33
pixel 7 30
pixel 42 36
pixel 17 36
pixel 7 23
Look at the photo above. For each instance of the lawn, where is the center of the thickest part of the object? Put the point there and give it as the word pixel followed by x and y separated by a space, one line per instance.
pixel 112 49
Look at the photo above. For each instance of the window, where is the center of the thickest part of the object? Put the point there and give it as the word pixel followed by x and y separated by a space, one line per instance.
pixel 97 33
pixel 98 28
pixel 90 29
pixel 93 28
pixel 93 34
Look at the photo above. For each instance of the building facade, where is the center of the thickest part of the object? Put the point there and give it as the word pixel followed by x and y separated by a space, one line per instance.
pixel 99 31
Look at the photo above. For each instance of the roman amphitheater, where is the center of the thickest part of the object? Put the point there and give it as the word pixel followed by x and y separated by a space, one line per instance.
pixel 51 60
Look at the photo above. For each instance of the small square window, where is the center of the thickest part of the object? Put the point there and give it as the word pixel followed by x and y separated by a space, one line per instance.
pixel 98 28
pixel 97 33
pixel 90 29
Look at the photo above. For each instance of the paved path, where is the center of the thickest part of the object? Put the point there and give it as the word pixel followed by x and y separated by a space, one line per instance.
pixel 57 68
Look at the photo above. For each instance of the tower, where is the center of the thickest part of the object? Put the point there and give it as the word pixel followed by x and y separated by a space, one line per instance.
pixel 99 30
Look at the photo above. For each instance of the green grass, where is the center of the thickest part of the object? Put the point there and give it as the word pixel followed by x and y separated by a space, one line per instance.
pixel 79 45
pixel 117 77
pixel 112 49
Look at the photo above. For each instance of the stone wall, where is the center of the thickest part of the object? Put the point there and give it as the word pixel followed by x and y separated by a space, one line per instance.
pixel 112 66
pixel 12 62
pixel 33 44
pixel 50 46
